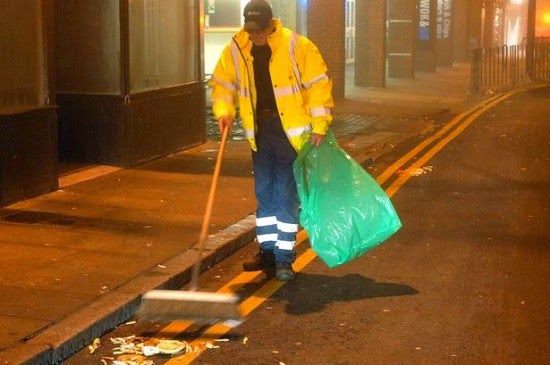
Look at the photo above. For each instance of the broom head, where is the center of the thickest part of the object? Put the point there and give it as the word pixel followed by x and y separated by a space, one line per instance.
pixel 173 305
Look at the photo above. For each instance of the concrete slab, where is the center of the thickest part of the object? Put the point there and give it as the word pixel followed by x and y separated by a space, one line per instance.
pixel 14 329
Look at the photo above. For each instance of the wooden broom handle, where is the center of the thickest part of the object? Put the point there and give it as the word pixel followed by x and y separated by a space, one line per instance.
pixel 208 212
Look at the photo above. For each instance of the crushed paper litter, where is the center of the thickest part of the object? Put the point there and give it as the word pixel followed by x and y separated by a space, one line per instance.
pixel 133 350
pixel 146 346
pixel 415 171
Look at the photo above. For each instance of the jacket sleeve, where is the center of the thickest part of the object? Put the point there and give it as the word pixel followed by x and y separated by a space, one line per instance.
pixel 224 86
pixel 317 85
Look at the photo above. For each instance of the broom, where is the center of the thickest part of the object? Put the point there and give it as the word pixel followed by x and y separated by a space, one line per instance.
pixel 171 305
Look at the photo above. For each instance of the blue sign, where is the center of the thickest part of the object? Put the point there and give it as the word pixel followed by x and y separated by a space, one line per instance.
pixel 424 18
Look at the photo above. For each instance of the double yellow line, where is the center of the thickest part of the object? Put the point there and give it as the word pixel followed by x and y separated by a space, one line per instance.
pixel 446 134
pixel 246 307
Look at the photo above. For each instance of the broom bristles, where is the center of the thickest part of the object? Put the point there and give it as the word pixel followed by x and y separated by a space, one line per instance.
pixel 173 305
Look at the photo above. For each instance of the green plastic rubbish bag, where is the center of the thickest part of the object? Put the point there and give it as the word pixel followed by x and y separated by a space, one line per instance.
pixel 343 209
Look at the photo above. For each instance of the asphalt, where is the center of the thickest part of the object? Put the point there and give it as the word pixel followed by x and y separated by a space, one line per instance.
pixel 75 262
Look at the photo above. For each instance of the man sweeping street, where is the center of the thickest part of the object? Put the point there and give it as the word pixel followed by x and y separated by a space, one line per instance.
pixel 278 80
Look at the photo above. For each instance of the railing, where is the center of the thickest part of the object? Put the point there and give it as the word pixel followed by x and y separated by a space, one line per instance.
pixel 507 66
pixel 541 64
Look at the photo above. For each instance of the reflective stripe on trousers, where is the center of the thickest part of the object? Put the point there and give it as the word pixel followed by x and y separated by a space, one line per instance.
pixel 275 189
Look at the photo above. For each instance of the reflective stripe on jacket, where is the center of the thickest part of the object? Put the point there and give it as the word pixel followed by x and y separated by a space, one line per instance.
pixel 303 91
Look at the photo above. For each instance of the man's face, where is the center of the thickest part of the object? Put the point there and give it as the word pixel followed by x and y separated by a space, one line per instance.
pixel 258 36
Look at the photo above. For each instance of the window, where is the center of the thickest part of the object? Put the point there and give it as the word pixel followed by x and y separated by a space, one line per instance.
pixel 22 61
pixel 223 18
pixel 87 47
pixel 163 44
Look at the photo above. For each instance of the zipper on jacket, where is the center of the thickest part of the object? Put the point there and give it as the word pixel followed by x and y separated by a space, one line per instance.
pixel 249 87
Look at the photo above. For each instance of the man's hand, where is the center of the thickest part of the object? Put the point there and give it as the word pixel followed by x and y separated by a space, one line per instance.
pixel 225 122
pixel 317 139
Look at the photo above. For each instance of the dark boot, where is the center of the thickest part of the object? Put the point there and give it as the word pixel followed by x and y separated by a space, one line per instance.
pixel 284 271
pixel 264 260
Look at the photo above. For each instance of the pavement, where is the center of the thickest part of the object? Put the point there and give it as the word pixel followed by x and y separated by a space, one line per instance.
pixel 75 262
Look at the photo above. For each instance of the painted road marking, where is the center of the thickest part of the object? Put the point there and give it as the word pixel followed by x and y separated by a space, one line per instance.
pixel 271 287
pixel 245 277
pixel 235 284
pixel 390 171
pixel 394 187
pixel 247 306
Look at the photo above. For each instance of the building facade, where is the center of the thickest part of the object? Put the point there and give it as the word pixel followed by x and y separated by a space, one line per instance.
pixel 120 82
pixel 112 82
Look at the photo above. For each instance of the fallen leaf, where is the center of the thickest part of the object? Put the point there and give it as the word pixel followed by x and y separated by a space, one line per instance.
pixel 94 345
pixel 210 345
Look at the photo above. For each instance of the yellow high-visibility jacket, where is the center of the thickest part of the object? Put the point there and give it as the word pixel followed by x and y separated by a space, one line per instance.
pixel 302 88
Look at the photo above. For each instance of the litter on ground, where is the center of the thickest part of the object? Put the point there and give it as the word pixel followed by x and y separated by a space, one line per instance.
pixel 415 171
pixel 133 348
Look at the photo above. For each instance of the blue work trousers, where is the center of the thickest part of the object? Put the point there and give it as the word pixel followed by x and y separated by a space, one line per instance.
pixel 275 189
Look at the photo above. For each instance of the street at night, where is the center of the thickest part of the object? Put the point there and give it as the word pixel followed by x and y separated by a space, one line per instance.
pixel 385 162
pixel 463 282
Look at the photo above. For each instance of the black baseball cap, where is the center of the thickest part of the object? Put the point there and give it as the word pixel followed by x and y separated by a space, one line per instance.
pixel 257 15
